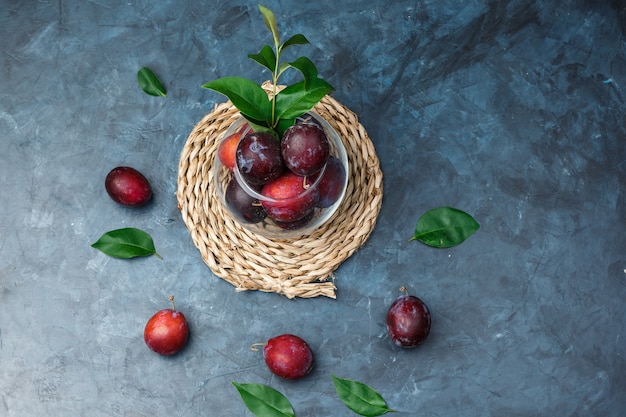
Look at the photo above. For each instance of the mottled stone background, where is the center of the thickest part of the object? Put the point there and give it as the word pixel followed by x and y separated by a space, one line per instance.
pixel 514 111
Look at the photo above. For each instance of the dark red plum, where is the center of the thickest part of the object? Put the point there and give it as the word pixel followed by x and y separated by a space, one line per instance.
pixel 296 224
pixel 128 187
pixel 408 321
pixel 305 148
pixel 330 185
pixel 258 158
pixel 246 207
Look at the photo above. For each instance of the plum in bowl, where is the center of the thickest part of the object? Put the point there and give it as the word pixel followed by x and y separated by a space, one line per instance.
pixel 286 187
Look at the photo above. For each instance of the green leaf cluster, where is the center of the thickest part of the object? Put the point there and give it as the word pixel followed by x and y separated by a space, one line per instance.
pixel 277 112
pixel 265 401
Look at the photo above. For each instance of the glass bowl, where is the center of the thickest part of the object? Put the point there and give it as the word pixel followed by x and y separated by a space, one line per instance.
pixel 318 200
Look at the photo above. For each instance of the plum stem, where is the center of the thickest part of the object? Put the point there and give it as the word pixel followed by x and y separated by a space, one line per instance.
pixel 171 298
pixel 405 290
pixel 254 348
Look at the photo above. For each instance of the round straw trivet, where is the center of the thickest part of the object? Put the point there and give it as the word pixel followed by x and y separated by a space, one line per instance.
pixel 300 267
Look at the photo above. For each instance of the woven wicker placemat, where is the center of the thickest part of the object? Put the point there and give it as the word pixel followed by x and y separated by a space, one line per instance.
pixel 301 267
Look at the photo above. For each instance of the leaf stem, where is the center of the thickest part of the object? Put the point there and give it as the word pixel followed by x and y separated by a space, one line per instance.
pixel 275 77
pixel 276 73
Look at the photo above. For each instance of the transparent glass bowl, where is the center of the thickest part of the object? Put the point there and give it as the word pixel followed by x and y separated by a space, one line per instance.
pixel 314 217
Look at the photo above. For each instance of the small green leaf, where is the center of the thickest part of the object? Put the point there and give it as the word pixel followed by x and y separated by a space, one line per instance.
pixel 264 401
pixel 266 57
pixel 258 127
pixel 270 22
pixel 360 398
pixel 247 96
pixel 444 227
pixel 150 83
pixel 298 98
pixel 296 39
pixel 126 243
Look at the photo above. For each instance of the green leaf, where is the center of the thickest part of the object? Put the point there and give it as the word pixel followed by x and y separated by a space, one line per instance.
pixel 307 68
pixel 266 57
pixel 150 83
pixel 126 243
pixel 270 22
pixel 249 97
pixel 296 99
pixel 360 398
pixel 444 227
pixel 264 401
pixel 296 39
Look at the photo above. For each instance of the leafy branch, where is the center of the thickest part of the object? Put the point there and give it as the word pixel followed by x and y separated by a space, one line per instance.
pixel 277 112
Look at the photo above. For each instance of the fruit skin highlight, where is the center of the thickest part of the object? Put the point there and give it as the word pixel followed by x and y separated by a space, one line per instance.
pixel 288 356
pixel 408 321
pixel 166 332
pixel 127 186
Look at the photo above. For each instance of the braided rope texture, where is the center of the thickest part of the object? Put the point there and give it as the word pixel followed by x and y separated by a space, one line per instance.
pixel 300 267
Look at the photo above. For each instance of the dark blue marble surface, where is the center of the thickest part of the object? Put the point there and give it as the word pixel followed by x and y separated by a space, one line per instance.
pixel 514 111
